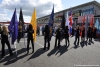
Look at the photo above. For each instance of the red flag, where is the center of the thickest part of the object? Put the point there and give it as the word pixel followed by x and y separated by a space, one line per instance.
pixel 92 21
pixel 83 21
pixel 70 18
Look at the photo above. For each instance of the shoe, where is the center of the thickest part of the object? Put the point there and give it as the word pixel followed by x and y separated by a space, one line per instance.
pixel 11 54
pixel 48 48
pixel 2 56
pixel 44 49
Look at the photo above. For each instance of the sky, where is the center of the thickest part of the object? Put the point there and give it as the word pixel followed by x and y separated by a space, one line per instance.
pixel 43 7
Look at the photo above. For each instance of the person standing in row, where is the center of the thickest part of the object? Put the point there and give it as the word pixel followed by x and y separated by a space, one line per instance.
pixel 77 36
pixel 46 37
pixel 58 37
pixel 30 32
pixel 38 30
pixel 66 36
pixel 91 30
pixel 94 32
pixel 83 34
pixel 89 34
pixel 4 40
pixel 19 32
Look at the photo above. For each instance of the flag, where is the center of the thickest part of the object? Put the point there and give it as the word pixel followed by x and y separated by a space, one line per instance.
pixel 92 21
pixel 86 26
pixel 21 21
pixel 13 27
pixel 51 21
pixel 63 22
pixel 70 18
pixel 83 21
pixel 97 23
pixel 71 21
pixel 67 20
pixel 34 23
pixel 63 26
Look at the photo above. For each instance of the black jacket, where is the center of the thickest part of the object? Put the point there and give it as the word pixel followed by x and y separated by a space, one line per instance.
pixel 46 33
pixel 29 33
pixel 66 33
pixel 58 33
pixel 3 36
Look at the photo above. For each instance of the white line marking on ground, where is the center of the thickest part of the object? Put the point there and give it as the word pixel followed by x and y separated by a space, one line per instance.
pixel 39 44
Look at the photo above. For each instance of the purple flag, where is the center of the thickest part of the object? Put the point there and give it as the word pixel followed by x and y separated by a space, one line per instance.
pixel 13 27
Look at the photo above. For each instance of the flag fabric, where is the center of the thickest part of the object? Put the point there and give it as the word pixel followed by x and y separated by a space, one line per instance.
pixel 86 26
pixel 63 26
pixel 34 23
pixel 51 21
pixel 67 20
pixel 63 21
pixel 13 27
pixel 83 23
pixel 70 22
pixel 21 21
pixel 97 24
pixel 92 20
pixel 70 18
pixel 81 19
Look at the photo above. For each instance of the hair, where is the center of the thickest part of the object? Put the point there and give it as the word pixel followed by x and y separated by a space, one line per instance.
pixel 30 27
pixel 46 27
pixel 5 30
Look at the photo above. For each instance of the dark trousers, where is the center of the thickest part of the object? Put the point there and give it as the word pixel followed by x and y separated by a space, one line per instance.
pixel 3 47
pixel 42 33
pixel 28 42
pixel 67 40
pixel 56 42
pixel 91 35
pixel 46 40
pixel 77 38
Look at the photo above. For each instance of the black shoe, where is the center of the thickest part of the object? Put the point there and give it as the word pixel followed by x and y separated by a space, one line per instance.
pixel 44 49
pixel 48 48
pixel 2 56
pixel 11 54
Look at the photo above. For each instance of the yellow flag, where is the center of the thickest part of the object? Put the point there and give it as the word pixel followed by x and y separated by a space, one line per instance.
pixel 34 23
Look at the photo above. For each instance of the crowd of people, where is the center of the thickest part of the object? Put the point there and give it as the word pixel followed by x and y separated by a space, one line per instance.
pixel 78 32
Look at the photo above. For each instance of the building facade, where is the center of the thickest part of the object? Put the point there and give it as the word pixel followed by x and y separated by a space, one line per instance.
pixel 92 7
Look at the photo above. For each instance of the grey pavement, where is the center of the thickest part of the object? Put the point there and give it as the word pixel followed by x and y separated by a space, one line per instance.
pixel 87 55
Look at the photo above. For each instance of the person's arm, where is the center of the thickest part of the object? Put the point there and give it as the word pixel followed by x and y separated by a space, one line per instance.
pixel 32 31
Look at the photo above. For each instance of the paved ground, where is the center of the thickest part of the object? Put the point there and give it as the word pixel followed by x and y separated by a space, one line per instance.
pixel 86 55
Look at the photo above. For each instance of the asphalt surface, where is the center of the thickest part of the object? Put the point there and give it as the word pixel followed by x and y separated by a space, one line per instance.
pixel 87 55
